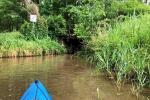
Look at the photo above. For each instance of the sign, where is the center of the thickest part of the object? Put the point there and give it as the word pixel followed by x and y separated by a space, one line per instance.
pixel 33 18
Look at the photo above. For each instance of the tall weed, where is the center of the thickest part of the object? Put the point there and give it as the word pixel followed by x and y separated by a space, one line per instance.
pixel 124 51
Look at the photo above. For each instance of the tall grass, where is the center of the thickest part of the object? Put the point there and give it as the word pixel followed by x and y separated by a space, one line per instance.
pixel 124 51
pixel 13 45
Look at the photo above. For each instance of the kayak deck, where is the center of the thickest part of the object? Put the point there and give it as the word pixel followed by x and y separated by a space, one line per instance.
pixel 36 91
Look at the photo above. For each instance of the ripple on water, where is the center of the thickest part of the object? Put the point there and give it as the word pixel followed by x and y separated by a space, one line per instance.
pixel 66 78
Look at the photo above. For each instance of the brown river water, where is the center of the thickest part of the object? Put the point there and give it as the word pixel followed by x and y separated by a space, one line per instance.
pixel 66 77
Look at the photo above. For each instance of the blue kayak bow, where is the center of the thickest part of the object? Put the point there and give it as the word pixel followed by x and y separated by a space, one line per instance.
pixel 36 91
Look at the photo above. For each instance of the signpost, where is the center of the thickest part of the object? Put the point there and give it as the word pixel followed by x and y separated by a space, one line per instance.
pixel 33 19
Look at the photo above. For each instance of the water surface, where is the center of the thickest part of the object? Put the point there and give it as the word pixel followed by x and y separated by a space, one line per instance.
pixel 66 78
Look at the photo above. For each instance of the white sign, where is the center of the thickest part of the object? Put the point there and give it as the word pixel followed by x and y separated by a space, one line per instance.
pixel 33 18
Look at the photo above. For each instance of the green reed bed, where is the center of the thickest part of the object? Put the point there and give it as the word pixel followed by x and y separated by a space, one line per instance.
pixel 124 52
pixel 13 45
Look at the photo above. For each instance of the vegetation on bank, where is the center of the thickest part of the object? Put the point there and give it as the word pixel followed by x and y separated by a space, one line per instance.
pixel 123 51
pixel 14 45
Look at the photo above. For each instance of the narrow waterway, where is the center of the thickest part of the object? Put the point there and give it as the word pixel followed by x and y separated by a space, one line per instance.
pixel 66 78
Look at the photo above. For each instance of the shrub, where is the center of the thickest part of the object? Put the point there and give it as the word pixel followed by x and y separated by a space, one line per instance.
pixel 41 28
pixel 56 26
pixel 124 51
pixel 12 14
pixel 114 8
pixel 13 45
pixel 32 31
pixel 85 17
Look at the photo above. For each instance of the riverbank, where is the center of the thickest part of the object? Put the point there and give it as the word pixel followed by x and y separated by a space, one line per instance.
pixel 123 52
pixel 14 45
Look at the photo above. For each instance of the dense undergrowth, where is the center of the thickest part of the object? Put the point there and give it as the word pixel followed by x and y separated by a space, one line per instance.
pixel 13 45
pixel 123 51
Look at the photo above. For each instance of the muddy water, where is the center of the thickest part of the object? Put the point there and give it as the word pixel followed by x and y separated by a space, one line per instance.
pixel 66 78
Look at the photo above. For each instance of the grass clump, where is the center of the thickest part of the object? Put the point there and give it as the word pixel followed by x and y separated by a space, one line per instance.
pixel 124 51
pixel 13 45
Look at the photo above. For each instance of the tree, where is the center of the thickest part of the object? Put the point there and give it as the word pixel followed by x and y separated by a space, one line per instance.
pixel 12 14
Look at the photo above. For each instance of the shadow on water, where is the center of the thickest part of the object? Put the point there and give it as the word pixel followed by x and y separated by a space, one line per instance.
pixel 66 78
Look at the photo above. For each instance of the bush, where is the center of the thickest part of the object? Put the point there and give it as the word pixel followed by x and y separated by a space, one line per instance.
pixel 56 26
pixel 85 17
pixel 32 31
pixel 13 45
pixel 115 8
pixel 125 51
pixel 12 14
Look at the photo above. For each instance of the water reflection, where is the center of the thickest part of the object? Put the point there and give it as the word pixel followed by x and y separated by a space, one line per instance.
pixel 66 78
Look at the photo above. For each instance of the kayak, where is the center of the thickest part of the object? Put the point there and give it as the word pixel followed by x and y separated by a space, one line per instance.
pixel 36 91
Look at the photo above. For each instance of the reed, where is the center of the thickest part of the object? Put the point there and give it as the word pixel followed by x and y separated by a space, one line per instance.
pixel 13 45
pixel 124 51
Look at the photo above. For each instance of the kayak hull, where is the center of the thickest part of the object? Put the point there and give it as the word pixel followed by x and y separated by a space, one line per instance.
pixel 36 91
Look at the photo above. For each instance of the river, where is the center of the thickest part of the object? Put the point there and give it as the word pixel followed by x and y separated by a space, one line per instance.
pixel 66 77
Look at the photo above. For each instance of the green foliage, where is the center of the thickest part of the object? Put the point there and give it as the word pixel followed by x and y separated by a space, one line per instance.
pixel 54 7
pixel 78 17
pixel 124 51
pixel 26 30
pixel 12 14
pixel 50 46
pixel 32 31
pixel 13 45
pixel 56 26
pixel 114 8
pixel 85 16
pixel 41 28
pixel 46 7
